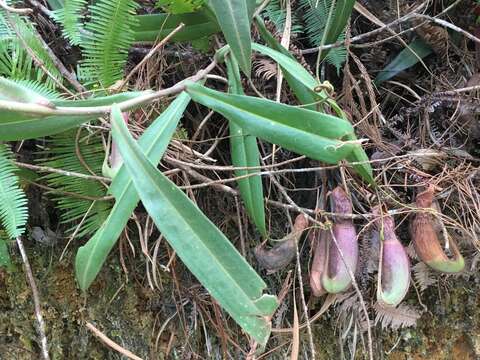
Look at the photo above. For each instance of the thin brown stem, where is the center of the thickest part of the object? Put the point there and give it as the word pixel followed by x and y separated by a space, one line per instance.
pixel 36 300
pixel 148 98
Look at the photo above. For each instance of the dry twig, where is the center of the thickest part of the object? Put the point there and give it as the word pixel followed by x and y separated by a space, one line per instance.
pixel 36 300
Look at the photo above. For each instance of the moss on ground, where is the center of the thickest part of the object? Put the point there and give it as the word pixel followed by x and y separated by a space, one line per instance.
pixel 132 315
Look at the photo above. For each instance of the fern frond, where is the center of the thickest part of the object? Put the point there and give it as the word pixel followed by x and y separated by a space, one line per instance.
pixel 277 15
pixel 39 88
pixel 315 15
pixel 61 154
pixel 15 61
pixel 337 56
pixel 395 318
pixel 424 276
pixel 13 202
pixel 71 18
pixel 265 68
pixel 6 31
pixel 111 35
pixel 31 38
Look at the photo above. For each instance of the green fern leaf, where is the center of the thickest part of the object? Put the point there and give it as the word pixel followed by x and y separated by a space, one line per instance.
pixel 277 15
pixel 61 154
pixel 315 15
pixel 13 202
pixel 15 61
pixel 110 37
pixel 337 56
pixel 70 17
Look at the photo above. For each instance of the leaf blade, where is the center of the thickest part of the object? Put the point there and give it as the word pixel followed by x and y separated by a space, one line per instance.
pixel 302 131
pixel 157 26
pixel 197 241
pixel 91 256
pixel 404 60
pixel 232 16
pixel 30 128
pixel 244 153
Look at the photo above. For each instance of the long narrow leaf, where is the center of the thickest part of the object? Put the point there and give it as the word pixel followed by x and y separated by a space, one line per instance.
pixel 232 15
pixel 244 150
pixel 30 128
pixel 307 132
pixel 153 142
pixel 101 100
pixel 405 59
pixel 302 90
pixel 343 10
pixel 301 83
pixel 197 241
pixel 154 27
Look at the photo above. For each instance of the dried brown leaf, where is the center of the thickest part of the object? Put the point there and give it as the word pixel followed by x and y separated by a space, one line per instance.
pixel 265 69
pixel 395 318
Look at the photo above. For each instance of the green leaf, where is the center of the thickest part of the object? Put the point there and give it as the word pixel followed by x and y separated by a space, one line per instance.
pixel 307 132
pixel 244 151
pixel 289 65
pixel 408 57
pixel 105 48
pixel 101 100
pixel 180 6
pixel 251 6
pixel 13 202
pixel 56 4
pixel 154 142
pixel 363 168
pixel 201 246
pixel 16 91
pixel 302 85
pixel 232 15
pixel 30 128
pixel 341 15
pixel 154 27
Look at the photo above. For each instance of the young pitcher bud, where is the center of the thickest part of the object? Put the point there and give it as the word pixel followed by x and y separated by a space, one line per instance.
pixel 394 266
pixel 426 242
pixel 282 254
pixel 318 239
pixel 336 277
